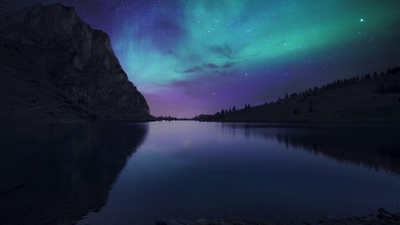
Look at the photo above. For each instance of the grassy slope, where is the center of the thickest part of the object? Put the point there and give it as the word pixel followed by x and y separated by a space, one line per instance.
pixel 352 103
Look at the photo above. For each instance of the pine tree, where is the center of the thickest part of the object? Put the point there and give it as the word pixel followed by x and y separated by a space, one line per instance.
pixel 375 76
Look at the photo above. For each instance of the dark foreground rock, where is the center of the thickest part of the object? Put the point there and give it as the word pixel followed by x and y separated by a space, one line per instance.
pixel 55 68
pixel 382 217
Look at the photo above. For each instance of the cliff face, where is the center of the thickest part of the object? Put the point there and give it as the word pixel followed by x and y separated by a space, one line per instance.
pixel 50 57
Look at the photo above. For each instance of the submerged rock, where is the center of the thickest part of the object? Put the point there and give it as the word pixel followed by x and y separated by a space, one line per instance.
pixel 160 222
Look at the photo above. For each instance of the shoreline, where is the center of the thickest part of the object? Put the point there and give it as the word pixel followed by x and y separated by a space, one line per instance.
pixel 148 120
pixel 382 217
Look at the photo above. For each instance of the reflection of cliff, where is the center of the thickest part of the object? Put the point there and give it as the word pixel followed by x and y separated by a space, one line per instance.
pixel 55 174
pixel 374 146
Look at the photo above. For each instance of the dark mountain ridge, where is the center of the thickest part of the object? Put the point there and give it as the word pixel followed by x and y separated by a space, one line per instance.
pixel 362 99
pixel 55 68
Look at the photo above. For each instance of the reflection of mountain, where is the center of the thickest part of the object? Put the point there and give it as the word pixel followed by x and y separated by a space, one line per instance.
pixel 372 146
pixel 55 174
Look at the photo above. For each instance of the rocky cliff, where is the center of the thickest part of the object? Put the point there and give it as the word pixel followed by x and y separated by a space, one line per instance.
pixel 55 68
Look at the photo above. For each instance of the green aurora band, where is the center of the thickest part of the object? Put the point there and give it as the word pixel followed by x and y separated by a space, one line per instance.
pixel 223 41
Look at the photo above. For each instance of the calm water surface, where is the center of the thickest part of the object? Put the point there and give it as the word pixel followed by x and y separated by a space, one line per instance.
pixel 137 173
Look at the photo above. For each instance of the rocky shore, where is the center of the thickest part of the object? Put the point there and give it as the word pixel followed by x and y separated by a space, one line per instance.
pixel 382 217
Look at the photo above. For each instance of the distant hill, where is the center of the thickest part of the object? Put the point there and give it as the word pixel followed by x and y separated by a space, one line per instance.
pixel 363 99
pixel 55 68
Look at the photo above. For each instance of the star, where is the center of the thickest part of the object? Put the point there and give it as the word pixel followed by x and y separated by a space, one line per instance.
pixel 177 53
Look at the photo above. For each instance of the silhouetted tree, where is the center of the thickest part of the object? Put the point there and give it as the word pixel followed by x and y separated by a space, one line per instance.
pixel 278 102
pixel 286 96
pixel 222 112
pixel 234 109
pixel 388 71
pixel 353 81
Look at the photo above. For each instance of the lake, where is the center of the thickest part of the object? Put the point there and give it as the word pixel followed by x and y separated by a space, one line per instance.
pixel 136 173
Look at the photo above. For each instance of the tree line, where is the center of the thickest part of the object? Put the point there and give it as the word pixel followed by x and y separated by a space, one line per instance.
pixel 219 115
pixel 387 82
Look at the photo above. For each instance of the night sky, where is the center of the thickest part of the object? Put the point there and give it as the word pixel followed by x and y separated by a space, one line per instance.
pixel 191 57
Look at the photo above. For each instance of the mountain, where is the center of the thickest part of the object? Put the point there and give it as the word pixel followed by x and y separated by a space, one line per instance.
pixel 55 68
pixel 362 99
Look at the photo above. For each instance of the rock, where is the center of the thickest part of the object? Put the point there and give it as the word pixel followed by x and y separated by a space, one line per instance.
pixel 225 223
pixel 65 60
pixel 384 215
pixel 180 221
pixel 160 222
pixel 7 187
pixel 201 222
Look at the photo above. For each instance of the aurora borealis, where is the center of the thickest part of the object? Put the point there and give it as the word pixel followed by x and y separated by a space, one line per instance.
pixel 192 57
